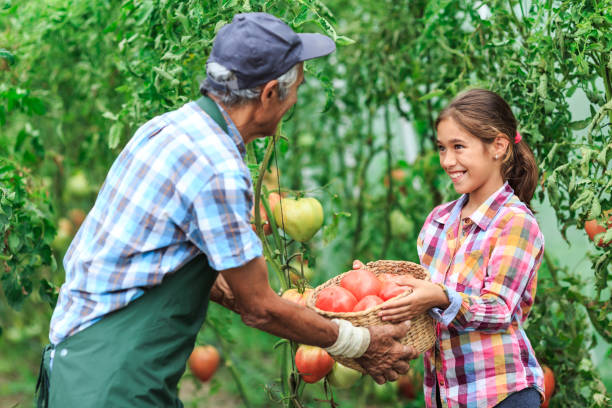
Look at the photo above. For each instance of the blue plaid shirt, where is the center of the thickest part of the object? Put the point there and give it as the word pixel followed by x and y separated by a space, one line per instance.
pixel 180 187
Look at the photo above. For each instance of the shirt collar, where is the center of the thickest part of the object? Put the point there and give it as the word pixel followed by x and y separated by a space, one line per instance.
pixel 233 132
pixel 483 214
pixel 487 210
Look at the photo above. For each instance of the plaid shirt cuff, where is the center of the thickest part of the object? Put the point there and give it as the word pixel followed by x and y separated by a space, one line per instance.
pixel 447 315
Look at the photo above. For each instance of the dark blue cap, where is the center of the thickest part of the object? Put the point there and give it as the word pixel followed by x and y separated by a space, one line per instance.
pixel 259 47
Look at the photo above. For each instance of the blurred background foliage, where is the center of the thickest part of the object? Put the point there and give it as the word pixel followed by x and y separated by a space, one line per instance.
pixel 77 78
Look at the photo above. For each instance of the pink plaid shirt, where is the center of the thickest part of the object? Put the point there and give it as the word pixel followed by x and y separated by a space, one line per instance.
pixel 482 353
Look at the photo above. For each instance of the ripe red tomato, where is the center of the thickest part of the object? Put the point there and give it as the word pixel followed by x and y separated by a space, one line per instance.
pixel 592 228
pixel 203 362
pixel 549 385
pixel 367 302
pixel 410 385
pixel 313 363
pixel 336 299
pixel 390 290
pixel 384 277
pixel 361 283
pixel 295 296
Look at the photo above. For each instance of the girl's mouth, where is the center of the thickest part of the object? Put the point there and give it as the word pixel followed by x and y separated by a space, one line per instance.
pixel 456 175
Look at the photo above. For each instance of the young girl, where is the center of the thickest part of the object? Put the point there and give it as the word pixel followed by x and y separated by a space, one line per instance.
pixel 483 252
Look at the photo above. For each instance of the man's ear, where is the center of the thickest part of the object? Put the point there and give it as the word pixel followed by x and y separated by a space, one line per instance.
pixel 500 145
pixel 269 92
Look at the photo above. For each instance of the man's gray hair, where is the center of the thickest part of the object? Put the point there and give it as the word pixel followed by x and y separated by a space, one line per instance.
pixel 233 97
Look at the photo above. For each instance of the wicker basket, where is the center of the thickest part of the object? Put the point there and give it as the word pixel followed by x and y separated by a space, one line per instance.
pixel 421 334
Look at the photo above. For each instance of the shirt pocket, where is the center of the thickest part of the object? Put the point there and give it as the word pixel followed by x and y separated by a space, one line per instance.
pixel 470 273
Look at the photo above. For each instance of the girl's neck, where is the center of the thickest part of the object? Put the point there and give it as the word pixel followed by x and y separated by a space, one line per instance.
pixel 477 198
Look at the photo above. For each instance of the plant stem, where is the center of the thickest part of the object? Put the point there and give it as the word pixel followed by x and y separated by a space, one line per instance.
pixel 362 184
pixel 229 363
pixel 389 136
pixel 551 267
pixel 268 253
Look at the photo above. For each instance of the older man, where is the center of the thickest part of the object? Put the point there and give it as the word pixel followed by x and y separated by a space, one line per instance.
pixel 170 229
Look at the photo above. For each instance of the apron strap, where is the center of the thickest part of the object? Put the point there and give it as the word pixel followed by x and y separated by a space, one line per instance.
pixel 209 106
pixel 42 384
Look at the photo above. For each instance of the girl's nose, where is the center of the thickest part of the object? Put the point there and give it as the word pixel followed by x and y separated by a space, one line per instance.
pixel 447 160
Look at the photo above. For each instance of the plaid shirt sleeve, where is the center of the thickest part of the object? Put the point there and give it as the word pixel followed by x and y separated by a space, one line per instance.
pixel 220 224
pixel 515 256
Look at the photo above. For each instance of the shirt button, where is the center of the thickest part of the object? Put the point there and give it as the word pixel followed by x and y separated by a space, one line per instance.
pixel 63 352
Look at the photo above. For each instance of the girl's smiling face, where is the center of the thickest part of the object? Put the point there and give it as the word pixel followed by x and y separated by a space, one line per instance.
pixel 469 162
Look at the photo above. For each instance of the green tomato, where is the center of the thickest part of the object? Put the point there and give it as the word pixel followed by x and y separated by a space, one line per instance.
pixel 342 376
pixel 300 218
pixel 386 392
pixel 401 226
pixel 299 268
pixel 78 185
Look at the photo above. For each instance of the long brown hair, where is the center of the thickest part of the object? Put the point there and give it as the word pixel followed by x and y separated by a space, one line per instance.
pixel 485 115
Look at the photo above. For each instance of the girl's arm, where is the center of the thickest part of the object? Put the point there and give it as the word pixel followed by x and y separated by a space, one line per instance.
pixel 511 272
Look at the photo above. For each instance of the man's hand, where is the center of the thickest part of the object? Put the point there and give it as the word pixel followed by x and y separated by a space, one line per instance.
pixel 386 358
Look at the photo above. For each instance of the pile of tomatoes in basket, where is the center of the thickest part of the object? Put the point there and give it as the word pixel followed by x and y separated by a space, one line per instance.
pixel 359 290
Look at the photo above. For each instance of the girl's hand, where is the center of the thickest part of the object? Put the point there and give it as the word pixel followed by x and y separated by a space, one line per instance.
pixel 424 296
pixel 357 264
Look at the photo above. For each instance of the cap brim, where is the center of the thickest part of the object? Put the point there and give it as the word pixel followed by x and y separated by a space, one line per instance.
pixel 315 45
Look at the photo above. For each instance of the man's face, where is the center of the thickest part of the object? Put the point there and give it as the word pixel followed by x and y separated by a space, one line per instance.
pixel 277 108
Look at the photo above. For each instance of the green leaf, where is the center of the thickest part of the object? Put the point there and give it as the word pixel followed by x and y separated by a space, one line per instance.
pixel 12 289
pixel 430 95
pixel 114 135
pixel 7 55
pixel 342 40
pixel 595 210
pixel 549 106
pixel 219 24
pixel 301 18
pixel 14 243
pixel 48 292
pixel 580 124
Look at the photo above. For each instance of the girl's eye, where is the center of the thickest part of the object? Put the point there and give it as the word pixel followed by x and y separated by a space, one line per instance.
pixel 458 146
pixel 440 148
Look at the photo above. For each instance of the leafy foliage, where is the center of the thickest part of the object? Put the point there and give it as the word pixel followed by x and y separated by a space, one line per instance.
pixel 25 234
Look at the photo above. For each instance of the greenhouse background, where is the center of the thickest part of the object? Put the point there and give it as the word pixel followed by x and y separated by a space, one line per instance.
pixel 77 78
